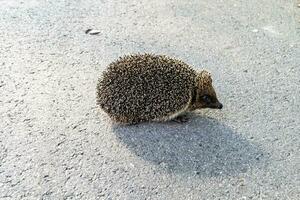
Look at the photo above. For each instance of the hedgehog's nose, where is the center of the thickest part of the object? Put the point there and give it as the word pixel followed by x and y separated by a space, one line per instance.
pixel 220 106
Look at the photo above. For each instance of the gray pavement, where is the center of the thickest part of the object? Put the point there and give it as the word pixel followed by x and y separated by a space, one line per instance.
pixel 56 144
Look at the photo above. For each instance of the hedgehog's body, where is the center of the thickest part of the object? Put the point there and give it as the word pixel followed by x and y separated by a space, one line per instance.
pixel 147 87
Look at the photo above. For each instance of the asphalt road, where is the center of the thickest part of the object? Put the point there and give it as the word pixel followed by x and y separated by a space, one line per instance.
pixel 56 144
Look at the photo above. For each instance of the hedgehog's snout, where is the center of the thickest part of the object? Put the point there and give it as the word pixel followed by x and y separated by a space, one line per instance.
pixel 219 106
pixel 216 105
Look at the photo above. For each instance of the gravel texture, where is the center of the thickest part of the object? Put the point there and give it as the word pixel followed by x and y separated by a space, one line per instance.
pixel 56 144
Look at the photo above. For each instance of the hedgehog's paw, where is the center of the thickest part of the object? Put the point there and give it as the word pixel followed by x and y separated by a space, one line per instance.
pixel 181 119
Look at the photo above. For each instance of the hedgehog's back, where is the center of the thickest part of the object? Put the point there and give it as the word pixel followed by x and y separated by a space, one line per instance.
pixel 145 87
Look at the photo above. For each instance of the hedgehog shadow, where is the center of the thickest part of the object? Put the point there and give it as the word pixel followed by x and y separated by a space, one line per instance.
pixel 201 146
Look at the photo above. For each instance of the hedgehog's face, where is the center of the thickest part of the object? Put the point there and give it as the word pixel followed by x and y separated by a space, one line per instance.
pixel 206 95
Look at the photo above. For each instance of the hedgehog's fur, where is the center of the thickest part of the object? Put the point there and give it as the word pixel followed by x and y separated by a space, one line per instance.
pixel 147 87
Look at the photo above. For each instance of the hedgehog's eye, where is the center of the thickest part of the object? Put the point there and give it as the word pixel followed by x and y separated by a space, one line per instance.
pixel 206 99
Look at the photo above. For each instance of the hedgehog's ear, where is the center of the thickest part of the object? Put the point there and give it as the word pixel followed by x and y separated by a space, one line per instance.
pixel 205 75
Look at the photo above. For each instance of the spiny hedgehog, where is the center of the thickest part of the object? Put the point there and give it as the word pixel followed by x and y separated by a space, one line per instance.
pixel 146 87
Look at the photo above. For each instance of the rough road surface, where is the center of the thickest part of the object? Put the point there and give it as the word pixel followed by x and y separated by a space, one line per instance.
pixel 56 144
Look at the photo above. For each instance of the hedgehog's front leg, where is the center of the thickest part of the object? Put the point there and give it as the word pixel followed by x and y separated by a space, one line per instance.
pixel 181 118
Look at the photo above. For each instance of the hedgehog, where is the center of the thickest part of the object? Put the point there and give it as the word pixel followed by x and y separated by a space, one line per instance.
pixel 147 87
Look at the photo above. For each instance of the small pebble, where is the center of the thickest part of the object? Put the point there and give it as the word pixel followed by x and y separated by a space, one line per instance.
pixel 197 172
pixel 255 30
pixel 92 32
